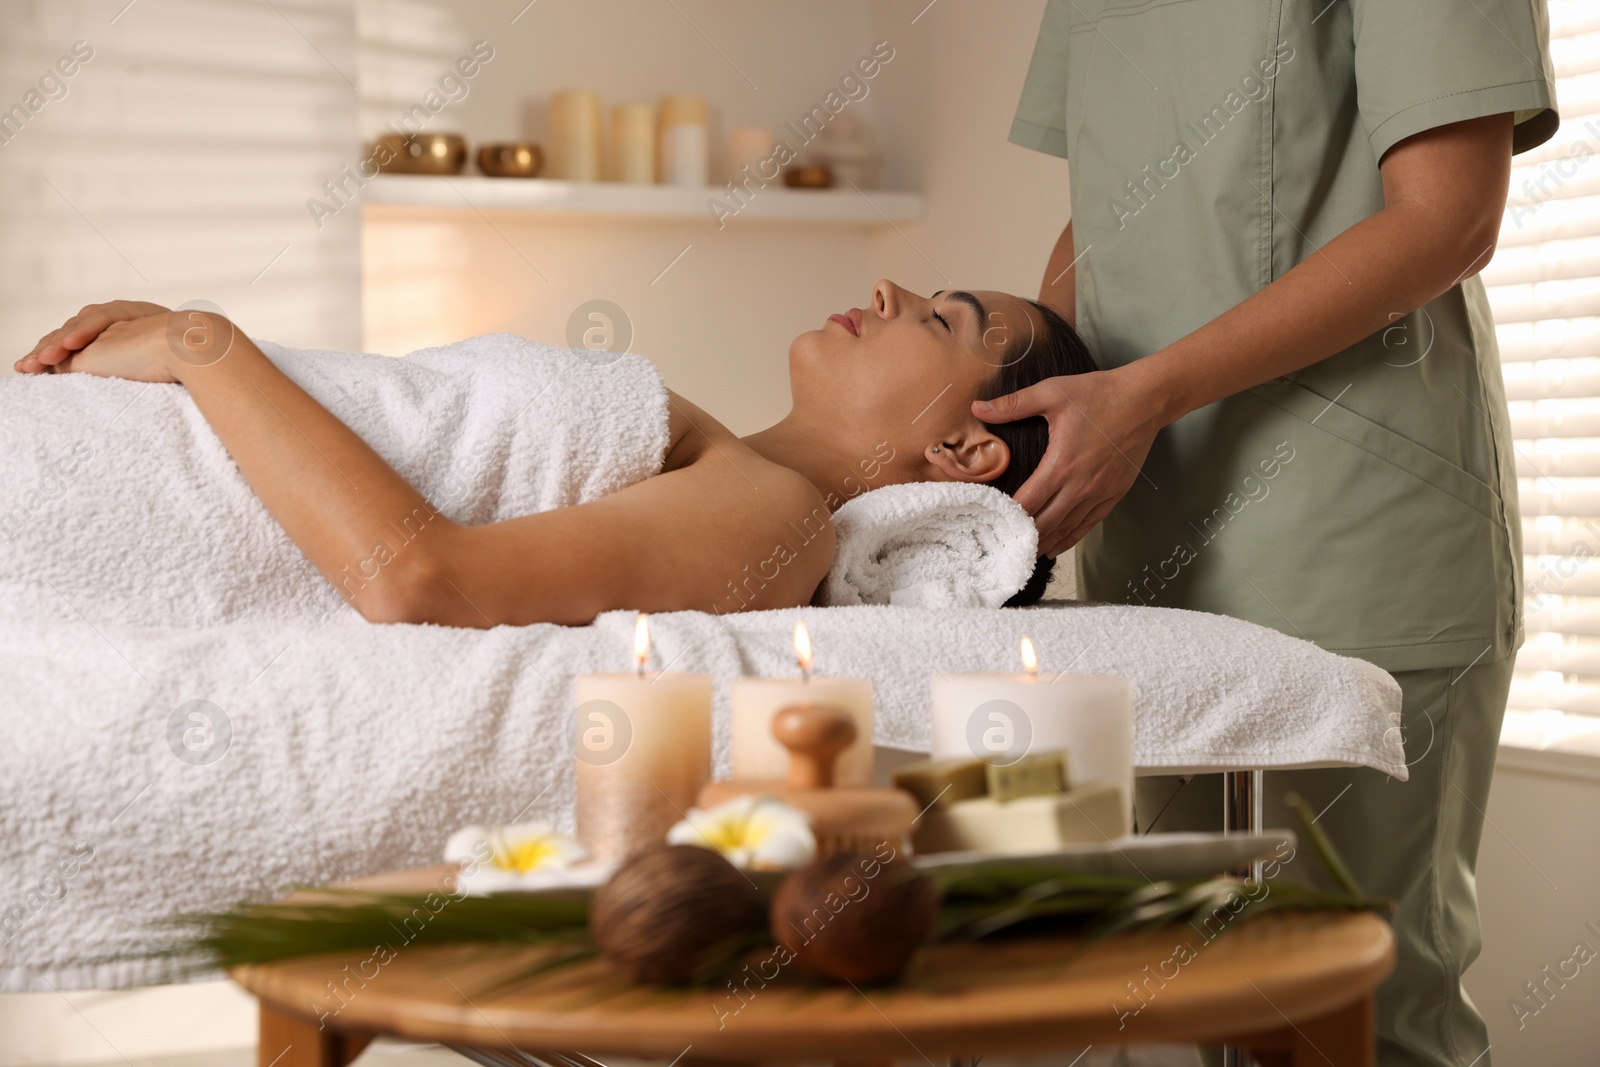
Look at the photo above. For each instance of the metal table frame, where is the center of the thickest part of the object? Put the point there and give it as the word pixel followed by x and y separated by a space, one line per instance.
pixel 1241 814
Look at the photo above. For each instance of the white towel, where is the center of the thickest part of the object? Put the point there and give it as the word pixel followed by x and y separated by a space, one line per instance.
pixel 1212 693
pixel 931 545
pixel 119 504
pixel 357 749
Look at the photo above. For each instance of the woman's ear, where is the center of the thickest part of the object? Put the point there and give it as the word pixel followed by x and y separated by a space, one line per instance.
pixel 972 454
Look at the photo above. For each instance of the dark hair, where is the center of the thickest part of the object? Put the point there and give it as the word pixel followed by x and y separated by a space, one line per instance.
pixel 1028 360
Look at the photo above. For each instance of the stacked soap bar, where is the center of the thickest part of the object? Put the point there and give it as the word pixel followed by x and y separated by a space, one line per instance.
pixel 1023 806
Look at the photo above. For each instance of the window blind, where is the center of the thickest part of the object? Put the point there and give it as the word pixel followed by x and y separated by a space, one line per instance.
pixel 174 162
pixel 1544 289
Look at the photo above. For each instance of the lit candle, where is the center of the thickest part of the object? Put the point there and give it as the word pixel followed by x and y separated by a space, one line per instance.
pixel 643 743
pixel 754 701
pixel 1003 717
pixel 575 135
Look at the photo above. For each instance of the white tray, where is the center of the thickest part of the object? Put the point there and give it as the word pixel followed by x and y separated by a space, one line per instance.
pixel 1156 857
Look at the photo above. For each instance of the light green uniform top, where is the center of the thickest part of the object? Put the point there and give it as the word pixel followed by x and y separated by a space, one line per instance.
pixel 1369 502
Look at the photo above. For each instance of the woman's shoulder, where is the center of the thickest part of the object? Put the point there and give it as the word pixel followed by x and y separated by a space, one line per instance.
pixel 695 437
pixel 750 488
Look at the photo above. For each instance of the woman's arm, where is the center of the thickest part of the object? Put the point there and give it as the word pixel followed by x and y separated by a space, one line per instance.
pixel 1444 193
pixel 672 542
pixel 1059 289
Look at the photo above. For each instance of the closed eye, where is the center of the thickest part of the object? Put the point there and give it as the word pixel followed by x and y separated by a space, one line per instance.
pixel 943 322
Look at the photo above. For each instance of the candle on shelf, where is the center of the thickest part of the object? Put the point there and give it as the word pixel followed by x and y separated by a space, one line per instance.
pixel 1002 717
pixel 751 148
pixel 633 143
pixel 754 701
pixel 575 135
pixel 643 743
pixel 685 140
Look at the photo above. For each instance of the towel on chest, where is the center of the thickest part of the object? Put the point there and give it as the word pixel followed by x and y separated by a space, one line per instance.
pixel 126 508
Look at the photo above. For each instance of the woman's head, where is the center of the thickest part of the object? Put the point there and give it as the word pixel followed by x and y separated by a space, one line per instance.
pixel 906 369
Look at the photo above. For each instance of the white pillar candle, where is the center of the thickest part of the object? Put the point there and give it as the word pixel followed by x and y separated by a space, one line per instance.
pixel 685 140
pixel 575 121
pixel 749 148
pixel 643 747
pixel 633 143
pixel 1002 717
pixel 754 702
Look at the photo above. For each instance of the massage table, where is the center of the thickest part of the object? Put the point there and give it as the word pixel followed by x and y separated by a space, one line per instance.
pixel 345 749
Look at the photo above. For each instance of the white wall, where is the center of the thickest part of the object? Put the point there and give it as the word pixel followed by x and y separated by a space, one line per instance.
pixel 720 320
pixel 994 210
pixel 1539 888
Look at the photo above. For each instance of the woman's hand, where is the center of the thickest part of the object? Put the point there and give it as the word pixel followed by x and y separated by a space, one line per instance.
pixel 1102 425
pixel 80 331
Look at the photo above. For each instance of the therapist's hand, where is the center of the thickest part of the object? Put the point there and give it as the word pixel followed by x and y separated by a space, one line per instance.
pixel 1102 425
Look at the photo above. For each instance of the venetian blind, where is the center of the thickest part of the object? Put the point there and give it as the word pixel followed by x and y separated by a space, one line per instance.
pixel 164 150
pixel 1544 288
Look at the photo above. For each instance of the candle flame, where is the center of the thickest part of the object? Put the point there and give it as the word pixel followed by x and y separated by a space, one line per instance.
pixel 1030 660
pixel 802 649
pixel 641 642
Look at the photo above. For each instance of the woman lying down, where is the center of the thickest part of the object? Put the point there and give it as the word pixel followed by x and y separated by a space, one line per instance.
pixel 882 395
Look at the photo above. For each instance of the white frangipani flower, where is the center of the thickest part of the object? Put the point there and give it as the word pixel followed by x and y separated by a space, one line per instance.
pixel 758 832
pixel 529 855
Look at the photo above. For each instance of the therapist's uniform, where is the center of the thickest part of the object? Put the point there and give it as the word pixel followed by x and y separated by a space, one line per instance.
pixel 1367 503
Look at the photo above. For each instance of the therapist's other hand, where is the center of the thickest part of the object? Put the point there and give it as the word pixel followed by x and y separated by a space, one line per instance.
pixel 80 331
pixel 1102 425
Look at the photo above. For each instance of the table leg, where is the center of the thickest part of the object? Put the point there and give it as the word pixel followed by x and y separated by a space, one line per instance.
pixel 1344 1038
pixel 289 1041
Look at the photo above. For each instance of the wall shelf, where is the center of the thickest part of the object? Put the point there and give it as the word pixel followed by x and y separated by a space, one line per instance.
pixel 540 196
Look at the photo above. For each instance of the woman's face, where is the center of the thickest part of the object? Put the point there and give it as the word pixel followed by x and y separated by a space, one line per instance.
pixel 906 368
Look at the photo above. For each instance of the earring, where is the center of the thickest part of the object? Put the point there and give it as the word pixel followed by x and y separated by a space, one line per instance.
pixel 936 448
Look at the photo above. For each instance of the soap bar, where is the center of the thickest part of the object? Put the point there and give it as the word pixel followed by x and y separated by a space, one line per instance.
pixel 1092 813
pixel 940 783
pixel 1039 774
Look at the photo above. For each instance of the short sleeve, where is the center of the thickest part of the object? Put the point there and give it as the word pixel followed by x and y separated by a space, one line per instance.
pixel 1421 64
pixel 1041 120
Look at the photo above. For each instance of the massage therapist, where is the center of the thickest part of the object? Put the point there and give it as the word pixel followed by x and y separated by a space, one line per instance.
pixel 1278 214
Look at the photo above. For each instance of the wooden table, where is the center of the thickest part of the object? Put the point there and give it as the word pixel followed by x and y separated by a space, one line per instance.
pixel 1295 989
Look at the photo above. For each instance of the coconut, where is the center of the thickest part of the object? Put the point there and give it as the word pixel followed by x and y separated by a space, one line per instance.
pixel 853 917
pixel 674 914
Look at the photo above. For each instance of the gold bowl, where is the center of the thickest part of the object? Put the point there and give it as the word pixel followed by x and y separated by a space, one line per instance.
pixel 422 153
pixel 809 176
pixel 511 159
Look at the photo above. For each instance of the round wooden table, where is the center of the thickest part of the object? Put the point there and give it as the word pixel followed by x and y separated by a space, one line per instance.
pixel 1294 988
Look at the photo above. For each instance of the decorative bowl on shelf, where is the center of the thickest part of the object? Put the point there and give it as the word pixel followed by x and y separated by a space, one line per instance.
pixel 511 159
pixel 808 176
pixel 422 153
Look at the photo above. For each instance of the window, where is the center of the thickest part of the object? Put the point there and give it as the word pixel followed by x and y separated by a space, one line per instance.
pixel 1544 288
pixel 164 150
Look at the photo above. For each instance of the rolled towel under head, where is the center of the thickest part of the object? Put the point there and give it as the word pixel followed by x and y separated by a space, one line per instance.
pixel 932 545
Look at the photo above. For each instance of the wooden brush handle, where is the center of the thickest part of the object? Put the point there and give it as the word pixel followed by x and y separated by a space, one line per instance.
pixel 814 736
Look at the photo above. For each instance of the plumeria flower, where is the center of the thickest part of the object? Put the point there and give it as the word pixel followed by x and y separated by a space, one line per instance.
pixel 759 832
pixel 529 855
